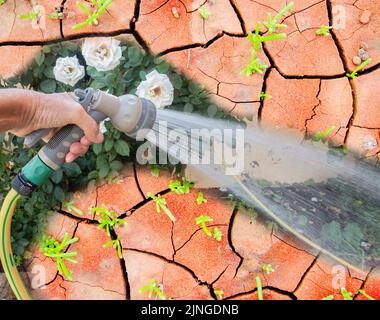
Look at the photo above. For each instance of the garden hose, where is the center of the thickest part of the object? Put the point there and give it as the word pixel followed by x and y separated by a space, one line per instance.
pixel 127 113
pixel 6 255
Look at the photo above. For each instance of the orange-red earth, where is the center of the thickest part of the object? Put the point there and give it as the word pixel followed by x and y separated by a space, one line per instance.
pixel 310 92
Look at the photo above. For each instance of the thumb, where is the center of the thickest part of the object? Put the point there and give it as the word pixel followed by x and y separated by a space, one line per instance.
pixel 89 127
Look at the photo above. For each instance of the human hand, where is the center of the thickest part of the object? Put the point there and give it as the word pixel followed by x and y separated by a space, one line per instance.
pixel 55 111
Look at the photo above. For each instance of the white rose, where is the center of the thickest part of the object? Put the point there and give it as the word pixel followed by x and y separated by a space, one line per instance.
pixel 103 54
pixel 68 70
pixel 157 88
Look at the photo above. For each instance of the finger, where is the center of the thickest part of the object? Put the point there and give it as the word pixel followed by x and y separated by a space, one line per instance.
pixel 89 126
pixel 78 148
pixel 50 135
pixel 70 157
pixel 85 141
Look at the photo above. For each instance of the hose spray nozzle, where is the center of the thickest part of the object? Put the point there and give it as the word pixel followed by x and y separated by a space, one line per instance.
pixel 129 114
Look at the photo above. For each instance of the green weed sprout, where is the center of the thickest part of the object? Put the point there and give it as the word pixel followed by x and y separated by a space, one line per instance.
pixel 201 198
pixel 218 234
pixel 54 249
pixel 108 219
pixel 180 187
pixel 321 135
pixel 264 95
pixel 346 295
pixel 355 72
pixel 115 244
pixel 56 15
pixel 92 18
pixel 267 268
pixel 152 288
pixel 69 205
pixel 201 220
pixel 259 288
pixel 2 2
pixel 254 66
pixel 323 31
pixel 272 24
pixel 362 292
pixel 161 205
pixel 204 13
pixel 219 293
pixel 31 15
pixel 155 171
pixel 256 39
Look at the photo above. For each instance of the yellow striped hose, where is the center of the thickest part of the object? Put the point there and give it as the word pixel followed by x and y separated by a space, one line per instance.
pixel 6 254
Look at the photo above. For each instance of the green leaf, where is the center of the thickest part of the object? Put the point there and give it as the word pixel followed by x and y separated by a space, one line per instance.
pixel 97 148
pixel 104 170
pixel 212 110
pixel 57 176
pixel 195 88
pixel 116 165
pixel 48 86
pixel 177 81
pixel 40 58
pixel 108 144
pixel 59 194
pixel 163 67
pixel 98 84
pixel 122 147
pixel 188 107
pixel 135 56
pixel 93 175
pixel 72 169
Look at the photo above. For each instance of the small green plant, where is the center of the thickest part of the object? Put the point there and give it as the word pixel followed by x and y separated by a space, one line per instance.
pixel 108 219
pixel 69 205
pixel 204 13
pixel 321 135
pixel 267 268
pixel 323 31
pixel 272 24
pixel 263 96
pixel 256 39
pixel 366 295
pixel 354 74
pixel 101 6
pixel 56 15
pixel 31 15
pixel 161 205
pixel 346 295
pixel 152 288
pixel 219 293
pixel 54 249
pixel 259 288
pixel 180 187
pixel 116 245
pixel 201 198
pixel 2 2
pixel 254 66
pixel 202 220
pixel 155 171
pixel 218 234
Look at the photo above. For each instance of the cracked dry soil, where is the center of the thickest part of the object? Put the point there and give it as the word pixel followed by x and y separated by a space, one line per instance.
pixel 309 89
